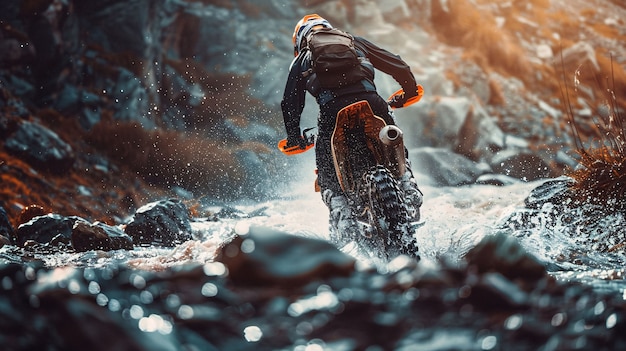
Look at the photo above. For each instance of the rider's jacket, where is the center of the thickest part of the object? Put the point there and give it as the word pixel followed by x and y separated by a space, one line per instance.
pixel 298 83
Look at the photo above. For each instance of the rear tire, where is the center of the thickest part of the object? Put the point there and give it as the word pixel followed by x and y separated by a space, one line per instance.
pixel 391 218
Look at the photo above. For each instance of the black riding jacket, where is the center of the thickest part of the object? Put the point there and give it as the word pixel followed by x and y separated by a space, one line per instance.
pixel 297 84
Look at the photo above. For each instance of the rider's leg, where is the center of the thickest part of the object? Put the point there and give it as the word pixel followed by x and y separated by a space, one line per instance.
pixel 342 222
pixel 412 194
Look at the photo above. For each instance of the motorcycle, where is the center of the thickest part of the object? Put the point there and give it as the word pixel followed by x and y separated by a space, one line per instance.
pixel 369 159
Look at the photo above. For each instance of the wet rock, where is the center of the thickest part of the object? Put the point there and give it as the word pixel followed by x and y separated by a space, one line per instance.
pixel 520 164
pixel 555 191
pixel 503 254
pixel 99 236
pixel 4 240
pixel 6 228
pixel 445 167
pixel 553 209
pixel 267 257
pixel 495 292
pixel 496 179
pixel 461 125
pixel 479 136
pixel 165 222
pixel 41 147
pixel 43 229
pixel 29 212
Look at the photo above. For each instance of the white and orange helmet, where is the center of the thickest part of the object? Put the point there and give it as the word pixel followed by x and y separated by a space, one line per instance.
pixel 303 27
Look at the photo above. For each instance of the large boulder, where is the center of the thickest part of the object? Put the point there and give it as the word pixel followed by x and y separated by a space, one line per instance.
pixel 446 168
pixel 165 223
pixel 47 229
pixel 99 236
pixel 266 257
pixel 455 123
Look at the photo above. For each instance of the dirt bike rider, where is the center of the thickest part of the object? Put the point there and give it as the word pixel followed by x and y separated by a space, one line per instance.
pixel 330 101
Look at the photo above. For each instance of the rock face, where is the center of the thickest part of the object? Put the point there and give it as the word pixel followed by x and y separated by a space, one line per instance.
pixel 164 222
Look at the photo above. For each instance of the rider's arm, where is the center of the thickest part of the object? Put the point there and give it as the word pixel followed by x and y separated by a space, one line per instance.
pixel 294 98
pixel 390 64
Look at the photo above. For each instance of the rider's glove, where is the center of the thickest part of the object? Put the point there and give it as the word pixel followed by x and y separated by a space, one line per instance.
pixel 398 100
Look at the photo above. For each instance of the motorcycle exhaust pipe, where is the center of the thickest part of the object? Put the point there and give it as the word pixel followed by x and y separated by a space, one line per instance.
pixel 390 135
pixel 393 147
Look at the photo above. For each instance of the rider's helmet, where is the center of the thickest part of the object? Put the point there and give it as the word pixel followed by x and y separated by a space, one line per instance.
pixel 303 27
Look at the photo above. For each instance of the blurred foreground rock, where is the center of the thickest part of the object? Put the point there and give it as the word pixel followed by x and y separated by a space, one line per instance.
pixel 499 298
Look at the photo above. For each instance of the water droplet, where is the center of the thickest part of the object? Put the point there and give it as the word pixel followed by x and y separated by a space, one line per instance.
pixel 513 322
pixel 242 228
pixel 252 333
pixel 137 281
pixel 185 312
pixel 598 308
pixel 489 342
pixel 114 305
pixel 93 288
pixel 209 290
pixel 102 300
pixel 213 269
pixel 558 319
pixel 247 246
pixel 136 311
pixel 73 286
pixel 611 321
pixel 146 297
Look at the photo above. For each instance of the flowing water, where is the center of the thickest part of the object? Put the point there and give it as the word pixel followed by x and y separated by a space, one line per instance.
pixel 456 219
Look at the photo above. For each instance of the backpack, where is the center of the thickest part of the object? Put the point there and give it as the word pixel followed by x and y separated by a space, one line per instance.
pixel 334 58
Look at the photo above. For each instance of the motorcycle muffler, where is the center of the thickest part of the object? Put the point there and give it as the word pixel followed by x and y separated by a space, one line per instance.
pixel 393 146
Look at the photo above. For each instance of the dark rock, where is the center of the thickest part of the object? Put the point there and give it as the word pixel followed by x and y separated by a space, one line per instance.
pixel 445 167
pixel 29 212
pixel 495 292
pixel 99 236
pixel 266 257
pixel 554 209
pixel 44 229
pixel 503 254
pixel 6 228
pixel 231 212
pixel 496 179
pixel 41 147
pixel 520 164
pixel 4 240
pixel 555 191
pixel 165 222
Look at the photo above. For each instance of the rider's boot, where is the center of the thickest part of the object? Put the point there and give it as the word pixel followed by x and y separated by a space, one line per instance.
pixel 412 193
pixel 343 226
